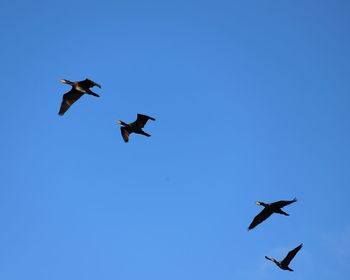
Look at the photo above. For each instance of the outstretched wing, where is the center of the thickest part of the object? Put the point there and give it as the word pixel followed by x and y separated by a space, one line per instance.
pixel 68 99
pixel 291 255
pixel 142 120
pixel 125 133
pixel 262 216
pixel 87 83
pixel 282 203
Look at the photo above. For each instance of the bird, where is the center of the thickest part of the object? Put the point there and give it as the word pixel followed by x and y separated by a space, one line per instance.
pixel 78 90
pixel 284 264
pixel 134 127
pixel 269 209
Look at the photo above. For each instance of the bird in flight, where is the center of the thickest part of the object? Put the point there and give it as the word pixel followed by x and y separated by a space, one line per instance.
pixel 269 209
pixel 134 127
pixel 78 90
pixel 284 264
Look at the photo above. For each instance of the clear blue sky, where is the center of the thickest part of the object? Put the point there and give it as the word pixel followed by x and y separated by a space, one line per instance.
pixel 252 103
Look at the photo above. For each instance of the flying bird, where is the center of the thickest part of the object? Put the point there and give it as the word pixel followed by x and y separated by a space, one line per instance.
pixel 285 262
pixel 134 127
pixel 78 90
pixel 269 209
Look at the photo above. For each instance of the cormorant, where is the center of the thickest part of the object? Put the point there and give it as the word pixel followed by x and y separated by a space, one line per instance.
pixel 134 127
pixel 268 210
pixel 77 91
pixel 285 262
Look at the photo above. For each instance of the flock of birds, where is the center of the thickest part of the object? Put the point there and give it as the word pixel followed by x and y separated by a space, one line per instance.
pixel 269 209
pixel 83 87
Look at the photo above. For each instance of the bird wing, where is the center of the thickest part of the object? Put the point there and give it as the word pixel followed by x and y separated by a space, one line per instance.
pixel 87 83
pixel 291 255
pixel 262 216
pixel 282 203
pixel 125 133
pixel 142 120
pixel 68 99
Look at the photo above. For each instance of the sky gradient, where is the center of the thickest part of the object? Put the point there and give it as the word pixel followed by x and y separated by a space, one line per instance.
pixel 251 100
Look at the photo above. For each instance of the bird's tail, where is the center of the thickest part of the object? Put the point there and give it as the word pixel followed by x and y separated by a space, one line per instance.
pixel 146 134
pixel 94 94
pixel 280 211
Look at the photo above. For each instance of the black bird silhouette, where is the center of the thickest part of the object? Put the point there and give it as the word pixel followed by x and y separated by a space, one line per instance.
pixel 77 91
pixel 268 210
pixel 285 262
pixel 134 127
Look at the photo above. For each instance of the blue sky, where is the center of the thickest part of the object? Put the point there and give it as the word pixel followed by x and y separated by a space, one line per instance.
pixel 252 103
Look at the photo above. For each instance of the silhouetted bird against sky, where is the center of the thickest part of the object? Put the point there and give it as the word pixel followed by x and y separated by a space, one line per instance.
pixel 268 210
pixel 285 262
pixel 78 89
pixel 134 127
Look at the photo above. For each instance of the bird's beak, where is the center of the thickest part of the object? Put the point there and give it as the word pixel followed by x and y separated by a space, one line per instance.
pixel 257 203
pixel 119 122
pixel 63 81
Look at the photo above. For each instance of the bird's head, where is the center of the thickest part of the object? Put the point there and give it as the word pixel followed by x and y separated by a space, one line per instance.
pixel 64 81
pixel 260 203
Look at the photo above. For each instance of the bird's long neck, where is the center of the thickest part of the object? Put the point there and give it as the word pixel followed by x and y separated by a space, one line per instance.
pixel 273 260
pixel 123 123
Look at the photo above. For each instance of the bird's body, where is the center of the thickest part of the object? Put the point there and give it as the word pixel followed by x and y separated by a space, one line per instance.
pixel 134 127
pixel 78 90
pixel 269 209
pixel 284 264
